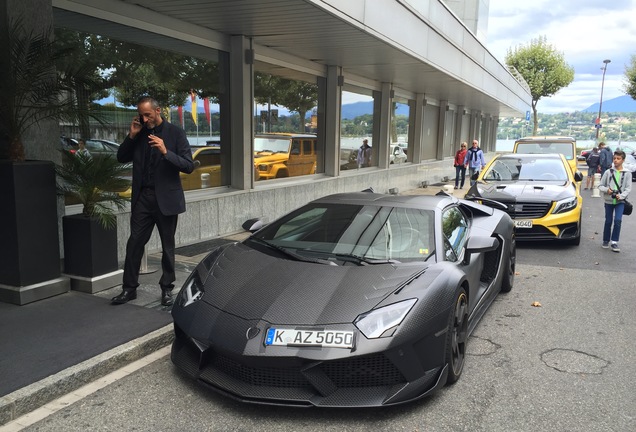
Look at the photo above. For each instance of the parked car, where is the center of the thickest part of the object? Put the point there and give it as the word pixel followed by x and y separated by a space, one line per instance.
pixel 102 147
pixel 629 150
pixel 396 154
pixel 540 192
pixel 630 164
pixel 68 144
pixel 356 299
pixel 279 155
pixel 549 144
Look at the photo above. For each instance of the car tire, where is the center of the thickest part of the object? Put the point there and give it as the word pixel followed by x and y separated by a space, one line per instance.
pixel 509 269
pixel 457 337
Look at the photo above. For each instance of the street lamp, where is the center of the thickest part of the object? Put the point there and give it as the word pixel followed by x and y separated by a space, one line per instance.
pixel 600 105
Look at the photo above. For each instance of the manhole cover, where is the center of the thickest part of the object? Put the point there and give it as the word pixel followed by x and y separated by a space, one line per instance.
pixel 573 361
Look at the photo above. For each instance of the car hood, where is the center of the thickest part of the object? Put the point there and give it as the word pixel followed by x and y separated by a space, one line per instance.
pixel 253 285
pixel 267 157
pixel 525 191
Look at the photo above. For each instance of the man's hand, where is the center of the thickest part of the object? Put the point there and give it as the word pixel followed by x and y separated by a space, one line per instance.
pixel 135 127
pixel 157 143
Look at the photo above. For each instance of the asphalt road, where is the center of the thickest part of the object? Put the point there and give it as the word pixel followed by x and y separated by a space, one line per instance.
pixel 566 365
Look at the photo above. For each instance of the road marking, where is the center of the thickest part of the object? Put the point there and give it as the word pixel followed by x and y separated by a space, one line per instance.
pixel 69 399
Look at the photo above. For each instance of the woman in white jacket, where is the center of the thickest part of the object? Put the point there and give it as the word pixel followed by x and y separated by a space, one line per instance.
pixel 615 185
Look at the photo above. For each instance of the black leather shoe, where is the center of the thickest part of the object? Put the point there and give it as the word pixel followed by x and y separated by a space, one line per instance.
pixel 166 297
pixel 124 297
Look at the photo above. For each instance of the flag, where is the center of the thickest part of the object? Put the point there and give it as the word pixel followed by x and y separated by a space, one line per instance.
pixel 206 107
pixel 180 112
pixel 193 96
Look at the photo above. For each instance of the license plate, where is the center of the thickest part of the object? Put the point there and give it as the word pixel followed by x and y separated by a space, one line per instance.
pixel 523 223
pixel 309 338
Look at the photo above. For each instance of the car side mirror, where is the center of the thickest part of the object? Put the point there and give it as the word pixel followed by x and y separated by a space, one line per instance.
pixel 252 225
pixel 197 163
pixel 578 176
pixel 479 244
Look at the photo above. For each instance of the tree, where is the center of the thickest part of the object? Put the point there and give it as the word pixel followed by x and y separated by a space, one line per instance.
pixel 544 69
pixel 630 76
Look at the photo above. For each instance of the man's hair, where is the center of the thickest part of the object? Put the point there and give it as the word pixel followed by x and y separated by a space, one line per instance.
pixel 620 153
pixel 601 144
pixel 153 102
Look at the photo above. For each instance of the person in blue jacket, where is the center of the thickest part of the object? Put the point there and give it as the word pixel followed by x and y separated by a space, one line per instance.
pixel 474 161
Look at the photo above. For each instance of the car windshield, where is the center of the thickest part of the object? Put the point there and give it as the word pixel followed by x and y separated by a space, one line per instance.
pixel 564 148
pixel 273 145
pixel 526 169
pixel 354 233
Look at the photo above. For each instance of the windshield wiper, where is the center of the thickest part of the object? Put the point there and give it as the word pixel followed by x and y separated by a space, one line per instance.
pixel 289 253
pixel 364 261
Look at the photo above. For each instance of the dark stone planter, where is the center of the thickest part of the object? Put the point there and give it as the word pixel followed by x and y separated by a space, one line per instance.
pixel 90 250
pixel 28 223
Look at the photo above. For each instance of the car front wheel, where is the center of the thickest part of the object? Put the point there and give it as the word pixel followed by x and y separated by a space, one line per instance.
pixel 457 337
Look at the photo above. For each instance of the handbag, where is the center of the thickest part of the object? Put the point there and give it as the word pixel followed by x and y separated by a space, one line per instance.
pixel 629 207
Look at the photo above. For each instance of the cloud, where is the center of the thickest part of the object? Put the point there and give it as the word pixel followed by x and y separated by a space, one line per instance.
pixel 586 31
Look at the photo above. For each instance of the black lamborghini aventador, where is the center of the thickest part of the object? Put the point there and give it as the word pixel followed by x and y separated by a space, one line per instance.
pixel 352 300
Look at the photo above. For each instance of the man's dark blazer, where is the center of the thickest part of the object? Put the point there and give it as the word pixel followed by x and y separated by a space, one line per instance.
pixel 168 189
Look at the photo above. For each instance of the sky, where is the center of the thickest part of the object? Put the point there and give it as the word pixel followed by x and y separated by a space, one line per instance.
pixel 585 31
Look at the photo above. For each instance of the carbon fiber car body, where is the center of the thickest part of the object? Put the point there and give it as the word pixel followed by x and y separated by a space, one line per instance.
pixel 241 291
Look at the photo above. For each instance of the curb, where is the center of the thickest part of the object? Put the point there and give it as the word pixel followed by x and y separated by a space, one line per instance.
pixel 29 398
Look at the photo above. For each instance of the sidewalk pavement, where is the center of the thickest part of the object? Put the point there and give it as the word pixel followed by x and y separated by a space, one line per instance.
pixel 33 344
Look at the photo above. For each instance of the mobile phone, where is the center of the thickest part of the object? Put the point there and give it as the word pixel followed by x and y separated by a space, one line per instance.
pixel 141 120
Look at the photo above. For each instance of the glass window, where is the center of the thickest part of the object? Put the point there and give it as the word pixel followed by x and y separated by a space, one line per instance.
pixel 356 125
pixel 455 229
pixel 286 107
pixel 190 91
pixel 399 132
pixel 368 232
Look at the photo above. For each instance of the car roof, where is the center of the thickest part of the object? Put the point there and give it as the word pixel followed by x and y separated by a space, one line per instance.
pixel 426 202
pixel 550 138
pixel 530 156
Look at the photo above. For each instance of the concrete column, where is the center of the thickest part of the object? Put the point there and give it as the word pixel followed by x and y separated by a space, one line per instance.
pixel 241 88
pixel 418 125
pixel 331 119
pixel 441 130
pixel 381 148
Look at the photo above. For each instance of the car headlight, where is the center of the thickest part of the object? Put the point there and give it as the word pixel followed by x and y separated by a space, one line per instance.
pixel 263 167
pixel 375 323
pixel 565 205
pixel 192 291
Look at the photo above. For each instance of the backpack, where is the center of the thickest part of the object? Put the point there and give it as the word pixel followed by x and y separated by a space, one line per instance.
pixel 593 160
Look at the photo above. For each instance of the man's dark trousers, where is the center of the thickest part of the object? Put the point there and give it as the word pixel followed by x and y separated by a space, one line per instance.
pixel 143 219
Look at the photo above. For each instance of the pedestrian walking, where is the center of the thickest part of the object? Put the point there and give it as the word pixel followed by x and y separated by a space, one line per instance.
pixel 605 159
pixel 460 168
pixel 364 154
pixel 81 149
pixel 159 151
pixel 474 161
pixel 593 161
pixel 615 186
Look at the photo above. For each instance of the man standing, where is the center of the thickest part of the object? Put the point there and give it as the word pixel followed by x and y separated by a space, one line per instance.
pixel 364 154
pixel 592 160
pixel 159 151
pixel 474 161
pixel 605 158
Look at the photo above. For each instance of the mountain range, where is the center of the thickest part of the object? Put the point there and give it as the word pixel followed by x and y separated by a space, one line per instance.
pixel 623 103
